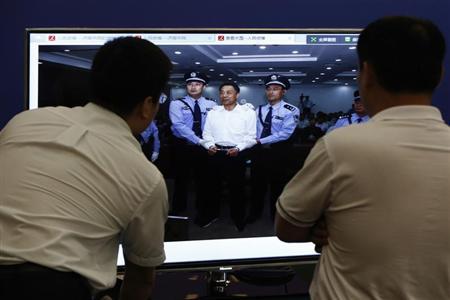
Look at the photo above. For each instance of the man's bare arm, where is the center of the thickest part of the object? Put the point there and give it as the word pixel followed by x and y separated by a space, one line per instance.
pixel 137 283
pixel 288 232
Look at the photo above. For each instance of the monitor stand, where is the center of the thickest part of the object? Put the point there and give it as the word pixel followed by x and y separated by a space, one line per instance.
pixel 217 282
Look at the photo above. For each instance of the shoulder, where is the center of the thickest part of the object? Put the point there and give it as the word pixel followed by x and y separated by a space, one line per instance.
pixel 345 117
pixel 210 99
pixel 291 108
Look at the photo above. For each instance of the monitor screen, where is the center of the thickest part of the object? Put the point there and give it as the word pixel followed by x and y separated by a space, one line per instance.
pixel 320 66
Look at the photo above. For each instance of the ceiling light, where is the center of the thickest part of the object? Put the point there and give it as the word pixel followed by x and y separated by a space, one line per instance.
pixel 317 78
pixel 270 68
pixel 346 83
pixel 294 52
pixel 229 78
pixel 354 70
pixel 313 81
pixel 338 59
pixel 262 47
pixel 235 53
pixel 335 79
pixel 322 74
pixel 197 62
pixel 354 78
pixel 177 52
pixel 352 47
pixel 260 79
pixel 220 74
pixel 329 68
pixel 211 70
pixel 291 70
pixel 251 71
pixel 66 50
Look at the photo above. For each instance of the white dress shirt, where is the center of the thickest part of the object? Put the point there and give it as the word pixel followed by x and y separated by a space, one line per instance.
pixel 237 126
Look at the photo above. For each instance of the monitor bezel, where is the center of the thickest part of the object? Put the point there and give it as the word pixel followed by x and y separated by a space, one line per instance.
pixel 207 264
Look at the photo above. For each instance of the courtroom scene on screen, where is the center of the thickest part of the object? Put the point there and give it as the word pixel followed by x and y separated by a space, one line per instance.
pixel 235 123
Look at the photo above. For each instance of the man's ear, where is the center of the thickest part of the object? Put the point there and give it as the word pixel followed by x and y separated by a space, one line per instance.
pixel 367 75
pixel 149 108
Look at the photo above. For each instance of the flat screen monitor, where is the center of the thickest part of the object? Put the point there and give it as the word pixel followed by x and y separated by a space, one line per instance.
pixel 321 66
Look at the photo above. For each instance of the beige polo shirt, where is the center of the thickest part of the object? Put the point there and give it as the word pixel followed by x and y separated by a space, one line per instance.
pixel 384 188
pixel 72 182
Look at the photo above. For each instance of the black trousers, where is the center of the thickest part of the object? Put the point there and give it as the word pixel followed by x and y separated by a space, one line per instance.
pixel 189 164
pixel 269 171
pixel 223 168
pixel 30 281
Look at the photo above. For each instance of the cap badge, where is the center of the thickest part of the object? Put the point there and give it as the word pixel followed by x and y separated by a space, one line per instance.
pixel 273 77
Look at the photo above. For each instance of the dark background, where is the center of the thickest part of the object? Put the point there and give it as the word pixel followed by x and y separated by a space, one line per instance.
pixel 17 15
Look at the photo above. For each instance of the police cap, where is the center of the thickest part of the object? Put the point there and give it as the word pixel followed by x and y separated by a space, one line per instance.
pixel 277 79
pixel 196 76
pixel 356 96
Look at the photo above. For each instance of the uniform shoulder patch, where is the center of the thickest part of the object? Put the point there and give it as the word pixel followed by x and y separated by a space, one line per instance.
pixel 344 116
pixel 248 106
pixel 290 107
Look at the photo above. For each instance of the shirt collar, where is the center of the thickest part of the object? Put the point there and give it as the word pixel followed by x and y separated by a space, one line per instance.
pixel 276 106
pixel 117 123
pixel 409 112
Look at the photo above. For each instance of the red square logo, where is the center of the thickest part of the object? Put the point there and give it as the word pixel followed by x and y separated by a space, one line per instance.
pixel 52 38
pixel 220 37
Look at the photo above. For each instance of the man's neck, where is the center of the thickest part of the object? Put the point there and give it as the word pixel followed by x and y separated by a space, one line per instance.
pixel 387 100
pixel 275 102
pixel 361 114
pixel 195 97
pixel 230 107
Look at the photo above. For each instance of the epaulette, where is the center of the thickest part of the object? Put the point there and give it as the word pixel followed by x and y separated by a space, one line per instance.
pixel 344 116
pixel 210 99
pixel 248 106
pixel 290 107
pixel 181 98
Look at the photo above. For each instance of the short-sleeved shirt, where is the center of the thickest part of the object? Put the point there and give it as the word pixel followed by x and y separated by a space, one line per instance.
pixel 383 188
pixel 74 182
pixel 284 121
pixel 237 126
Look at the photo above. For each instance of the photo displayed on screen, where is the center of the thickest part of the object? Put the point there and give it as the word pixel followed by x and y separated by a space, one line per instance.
pixel 237 119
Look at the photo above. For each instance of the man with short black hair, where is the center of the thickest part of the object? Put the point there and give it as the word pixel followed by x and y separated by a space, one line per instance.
pixel 188 116
pixel 276 123
pixel 358 116
pixel 230 130
pixel 78 184
pixel 376 196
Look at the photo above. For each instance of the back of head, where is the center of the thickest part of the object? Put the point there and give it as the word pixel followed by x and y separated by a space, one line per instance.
pixel 125 71
pixel 406 53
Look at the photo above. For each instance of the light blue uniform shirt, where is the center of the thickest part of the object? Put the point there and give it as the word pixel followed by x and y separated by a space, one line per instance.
pixel 284 120
pixel 343 121
pixel 152 130
pixel 182 117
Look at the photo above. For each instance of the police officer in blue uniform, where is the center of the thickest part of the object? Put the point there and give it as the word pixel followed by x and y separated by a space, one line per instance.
pixel 188 115
pixel 276 123
pixel 150 143
pixel 357 117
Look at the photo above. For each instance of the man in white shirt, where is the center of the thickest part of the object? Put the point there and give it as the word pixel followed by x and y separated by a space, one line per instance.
pixel 230 130
pixel 74 183
pixel 379 192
